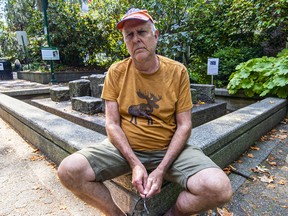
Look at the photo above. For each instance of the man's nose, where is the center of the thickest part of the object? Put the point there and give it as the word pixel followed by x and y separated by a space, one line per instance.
pixel 136 38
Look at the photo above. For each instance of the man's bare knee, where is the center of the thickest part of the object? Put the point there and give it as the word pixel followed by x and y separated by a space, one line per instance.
pixel 219 187
pixel 211 184
pixel 75 169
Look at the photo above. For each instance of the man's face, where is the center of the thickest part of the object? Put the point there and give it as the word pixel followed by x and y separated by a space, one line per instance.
pixel 139 39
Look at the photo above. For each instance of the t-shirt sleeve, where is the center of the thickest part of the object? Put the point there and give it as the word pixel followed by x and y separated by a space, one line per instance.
pixel 110 88
pixel 184 102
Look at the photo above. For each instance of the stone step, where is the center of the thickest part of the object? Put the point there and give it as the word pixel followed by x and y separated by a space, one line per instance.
pixel 87 105
pixel 222 139
pixel 96 84
pixel 204 92
pixel 59 93
pixel 201 113
pixel 79 88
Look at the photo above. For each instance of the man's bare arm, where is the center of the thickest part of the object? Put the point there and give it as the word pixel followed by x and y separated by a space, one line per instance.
pixel 119 140
pixel 178 142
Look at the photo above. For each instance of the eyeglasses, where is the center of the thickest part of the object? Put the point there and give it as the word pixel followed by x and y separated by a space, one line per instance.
pixel 140 208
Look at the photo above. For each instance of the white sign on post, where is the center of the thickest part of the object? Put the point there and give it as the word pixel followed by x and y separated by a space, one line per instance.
pixel 1 66
pixel 50 53
pixel 213 65
pixel 21 37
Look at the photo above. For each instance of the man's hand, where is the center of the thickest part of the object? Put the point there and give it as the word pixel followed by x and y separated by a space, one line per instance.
pixel 154 183
pixel 139 178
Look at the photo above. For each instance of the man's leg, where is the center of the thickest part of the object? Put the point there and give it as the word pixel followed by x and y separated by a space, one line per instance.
pixel 76 174
pixel 207 189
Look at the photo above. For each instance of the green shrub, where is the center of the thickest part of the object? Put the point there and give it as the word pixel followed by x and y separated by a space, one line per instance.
pixel 262 76
pixel 197 70
pixel 229 58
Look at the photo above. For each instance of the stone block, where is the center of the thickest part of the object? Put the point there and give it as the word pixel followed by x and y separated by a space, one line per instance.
pixel 79 88
pixel 84 77
pixel 88 105
pixel 60 93
pixel 205 93
pixel 95 81
pixel 100 89
pixel 194 95
pixel 204 113
pixel 129 201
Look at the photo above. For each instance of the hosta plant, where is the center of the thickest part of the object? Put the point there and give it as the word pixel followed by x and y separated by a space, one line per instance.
pixel 262 76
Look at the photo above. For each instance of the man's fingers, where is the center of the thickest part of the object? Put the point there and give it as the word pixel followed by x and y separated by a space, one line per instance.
pixel 155 189
pixel 148 186
pixel 138 184
pixel 144 182
pixel 152 188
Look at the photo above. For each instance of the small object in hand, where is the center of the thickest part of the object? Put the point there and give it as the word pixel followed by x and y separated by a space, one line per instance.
pixel 145 206
pixel 140 208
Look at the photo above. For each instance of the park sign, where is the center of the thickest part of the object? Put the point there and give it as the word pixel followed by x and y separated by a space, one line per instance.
pixel 213 65
pixel 21 37
pixel 50 53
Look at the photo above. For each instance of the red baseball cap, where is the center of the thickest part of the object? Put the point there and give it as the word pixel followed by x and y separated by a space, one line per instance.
pixel 134 13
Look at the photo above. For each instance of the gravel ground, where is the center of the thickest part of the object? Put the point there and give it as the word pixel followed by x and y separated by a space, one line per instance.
pixel 267 194
pixel 28 182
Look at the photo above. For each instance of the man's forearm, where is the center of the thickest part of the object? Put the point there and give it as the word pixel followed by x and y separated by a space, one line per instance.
pixel 119 140
pixel 176 146
pixel 116 134
pixel 139 173
pixel 178 141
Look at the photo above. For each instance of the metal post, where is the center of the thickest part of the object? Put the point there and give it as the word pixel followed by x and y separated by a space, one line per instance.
pixel 46 32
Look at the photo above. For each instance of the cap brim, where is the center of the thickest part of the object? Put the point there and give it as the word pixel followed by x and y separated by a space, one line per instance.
pixel 121 23
pixel 136 16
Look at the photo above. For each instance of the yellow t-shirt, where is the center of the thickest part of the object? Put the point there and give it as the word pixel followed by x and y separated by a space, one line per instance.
pixel 148 103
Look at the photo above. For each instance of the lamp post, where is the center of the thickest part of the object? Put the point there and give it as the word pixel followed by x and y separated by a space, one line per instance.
pixel 46 32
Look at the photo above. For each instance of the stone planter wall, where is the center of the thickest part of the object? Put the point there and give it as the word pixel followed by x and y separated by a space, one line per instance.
pixel 224 139
pixel 60 77
pixel 235 101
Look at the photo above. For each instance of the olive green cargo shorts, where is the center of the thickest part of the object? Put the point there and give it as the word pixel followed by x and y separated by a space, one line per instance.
pixel 107 162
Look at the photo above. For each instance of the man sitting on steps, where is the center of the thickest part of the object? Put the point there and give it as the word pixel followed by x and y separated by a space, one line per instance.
pixel 148 122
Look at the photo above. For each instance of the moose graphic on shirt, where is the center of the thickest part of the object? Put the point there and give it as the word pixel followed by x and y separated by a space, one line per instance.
pixel 144 109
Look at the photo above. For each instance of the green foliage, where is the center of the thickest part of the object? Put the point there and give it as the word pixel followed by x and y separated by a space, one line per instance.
pixel 36 66
pixel 19 13
pixel 8 45
pixel 190 31
pixel 22 15
pixel 262 76
pixel 229 58
pixel 86 38
pixel 263 22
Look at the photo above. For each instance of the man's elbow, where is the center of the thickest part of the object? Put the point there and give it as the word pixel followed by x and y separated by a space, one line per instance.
pixel 187 128
pixel 109 126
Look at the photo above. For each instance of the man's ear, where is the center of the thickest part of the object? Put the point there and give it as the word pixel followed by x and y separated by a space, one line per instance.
pixel 156 35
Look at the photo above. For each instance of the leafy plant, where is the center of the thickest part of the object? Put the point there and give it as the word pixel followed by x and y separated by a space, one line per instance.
pixel 262 76
pixel 229 58
pixel 190 31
